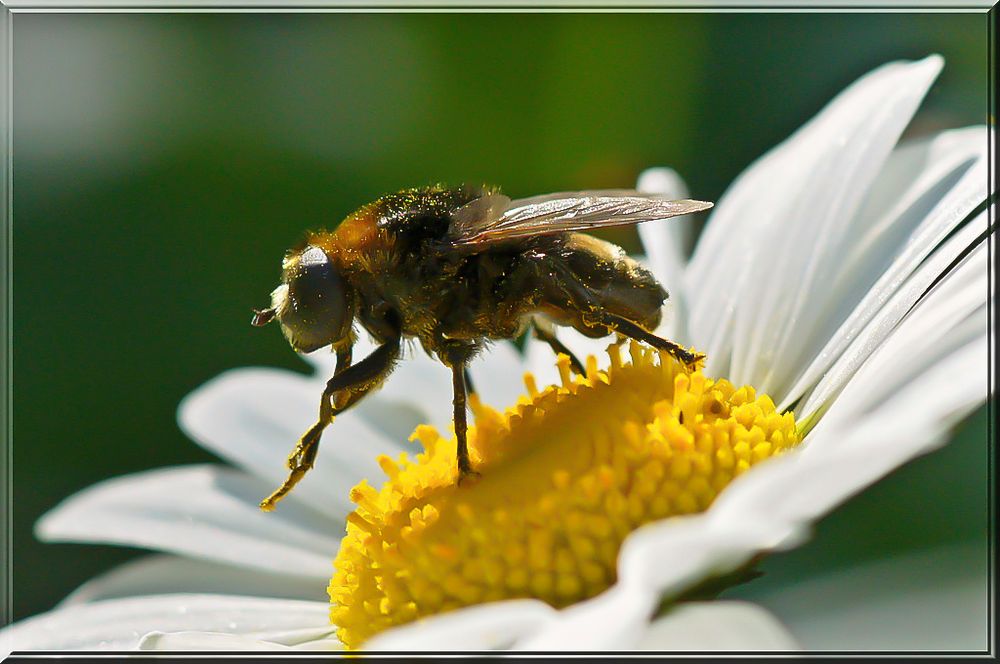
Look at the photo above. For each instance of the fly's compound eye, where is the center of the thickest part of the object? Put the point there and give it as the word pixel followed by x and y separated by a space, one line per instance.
pixel 316 307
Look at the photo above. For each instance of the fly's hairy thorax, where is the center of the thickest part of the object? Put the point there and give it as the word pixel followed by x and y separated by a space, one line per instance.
pixel 396 255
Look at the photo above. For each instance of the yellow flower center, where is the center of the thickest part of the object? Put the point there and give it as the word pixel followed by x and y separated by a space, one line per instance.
pixel 566 475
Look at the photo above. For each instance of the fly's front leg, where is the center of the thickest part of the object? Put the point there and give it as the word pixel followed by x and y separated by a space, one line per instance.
pixel 328 408
pixel 348 385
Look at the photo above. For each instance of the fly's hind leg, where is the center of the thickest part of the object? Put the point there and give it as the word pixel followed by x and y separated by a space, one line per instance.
pixel 348 385
pixel 630 329
pixel 593 315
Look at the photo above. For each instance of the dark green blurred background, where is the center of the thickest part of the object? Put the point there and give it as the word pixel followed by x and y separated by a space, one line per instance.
pixel 164 162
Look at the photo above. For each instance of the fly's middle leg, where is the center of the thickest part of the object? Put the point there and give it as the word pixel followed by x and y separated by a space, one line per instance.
pixel 457 356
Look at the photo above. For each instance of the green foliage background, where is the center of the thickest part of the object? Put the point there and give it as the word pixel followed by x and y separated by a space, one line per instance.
pixel 164 162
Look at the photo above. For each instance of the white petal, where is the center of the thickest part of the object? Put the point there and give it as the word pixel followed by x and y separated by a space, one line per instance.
pixel 201 511
pixel 119 624
pixel 406 399
pixel 663 181
pixel 857 344
pixel 497 375
pixel 324 360
pixel 310 638
pixel 770 236
pixel 541 362
pixel 866 392
pixel 936 599
pixel 253 417
pixel 775 311
pixel 191 640
pixel 163 574
pixel 952 314
pixel 945 178
pixel 394 418
pixel 614 620
pixel 422 382
pixel 715 626
pixel 483 627
pixel 417 391
pixel 325 644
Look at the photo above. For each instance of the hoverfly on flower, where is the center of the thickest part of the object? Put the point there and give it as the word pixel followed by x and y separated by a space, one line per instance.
pixel 453 268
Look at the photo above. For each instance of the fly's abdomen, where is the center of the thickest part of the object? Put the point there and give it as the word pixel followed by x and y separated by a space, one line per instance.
pixel 591 275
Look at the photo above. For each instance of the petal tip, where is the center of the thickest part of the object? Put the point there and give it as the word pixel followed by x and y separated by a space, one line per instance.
pixel 929 66
pixel 150 641
pixel 933 61
pixel 43 529
pixel 663 181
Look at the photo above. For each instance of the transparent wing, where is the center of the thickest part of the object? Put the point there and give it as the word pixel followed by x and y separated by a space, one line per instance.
pixel 610 193
pixel 496 218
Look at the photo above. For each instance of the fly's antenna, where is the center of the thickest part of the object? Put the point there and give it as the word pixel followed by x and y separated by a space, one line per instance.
pixel 262 318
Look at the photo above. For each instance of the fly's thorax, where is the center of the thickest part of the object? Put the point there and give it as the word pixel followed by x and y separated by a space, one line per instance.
pixel 391 251
pixel 456 295
pixel 355 240
pixel 423 209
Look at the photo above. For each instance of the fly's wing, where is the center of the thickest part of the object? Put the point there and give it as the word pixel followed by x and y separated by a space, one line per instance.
pixel 496 218
pixel 482 212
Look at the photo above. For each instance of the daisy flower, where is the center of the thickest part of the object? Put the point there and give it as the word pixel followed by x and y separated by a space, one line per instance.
pixel 840 293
